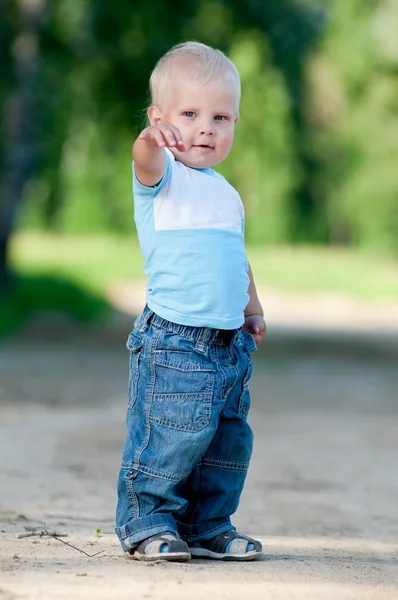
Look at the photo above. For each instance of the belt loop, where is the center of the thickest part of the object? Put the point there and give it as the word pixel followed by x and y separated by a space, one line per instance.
pixel 202 343
pixel 142 322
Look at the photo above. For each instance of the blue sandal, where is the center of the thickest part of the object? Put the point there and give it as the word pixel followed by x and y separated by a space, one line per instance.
pixel 229 545
pixel 164 546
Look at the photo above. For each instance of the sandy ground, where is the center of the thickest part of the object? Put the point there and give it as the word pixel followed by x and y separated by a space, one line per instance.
pixel 322 493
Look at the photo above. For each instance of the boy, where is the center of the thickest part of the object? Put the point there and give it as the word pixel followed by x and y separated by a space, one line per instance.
pixel 188 446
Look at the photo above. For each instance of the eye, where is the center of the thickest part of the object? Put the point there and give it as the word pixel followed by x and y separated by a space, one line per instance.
pixel 220 118
pixel 189 113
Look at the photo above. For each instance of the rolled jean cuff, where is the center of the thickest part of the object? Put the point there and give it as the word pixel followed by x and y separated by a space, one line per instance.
pixel 142 528
pixel 204 531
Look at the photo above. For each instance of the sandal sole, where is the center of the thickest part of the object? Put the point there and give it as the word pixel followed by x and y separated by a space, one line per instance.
pixel 164 556
pixel 208 554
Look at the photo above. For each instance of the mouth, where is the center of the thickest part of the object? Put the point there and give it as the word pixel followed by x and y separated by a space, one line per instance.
pixel 203 147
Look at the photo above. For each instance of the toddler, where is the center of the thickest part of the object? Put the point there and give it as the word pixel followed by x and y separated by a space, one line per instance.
pixel 188 445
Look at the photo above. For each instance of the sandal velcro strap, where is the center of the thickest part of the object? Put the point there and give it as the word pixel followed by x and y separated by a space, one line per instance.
pixel 163 546
pixel 229 545
pixel 237 542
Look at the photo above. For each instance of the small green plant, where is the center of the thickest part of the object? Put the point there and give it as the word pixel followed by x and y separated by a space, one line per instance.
pixel 97 531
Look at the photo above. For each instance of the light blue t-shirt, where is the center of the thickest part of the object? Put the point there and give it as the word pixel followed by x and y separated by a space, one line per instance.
pixel 190 230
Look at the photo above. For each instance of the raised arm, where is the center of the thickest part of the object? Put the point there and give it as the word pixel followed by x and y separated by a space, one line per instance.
pixel 148 151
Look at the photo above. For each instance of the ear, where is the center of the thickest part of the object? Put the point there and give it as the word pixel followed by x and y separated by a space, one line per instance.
pixel 154 115
pixel 236 120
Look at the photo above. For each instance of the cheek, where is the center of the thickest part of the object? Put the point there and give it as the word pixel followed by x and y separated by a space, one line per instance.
pixel 225 141
pixel 185 129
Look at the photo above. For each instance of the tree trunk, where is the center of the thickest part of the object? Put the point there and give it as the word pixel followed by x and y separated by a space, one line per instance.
pixel 18 122
pixel 4 278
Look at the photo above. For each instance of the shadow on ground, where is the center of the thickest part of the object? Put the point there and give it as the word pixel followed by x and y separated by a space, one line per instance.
pixel 26 297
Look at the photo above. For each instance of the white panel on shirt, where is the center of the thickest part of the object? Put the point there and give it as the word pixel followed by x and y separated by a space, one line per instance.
pixel 195 199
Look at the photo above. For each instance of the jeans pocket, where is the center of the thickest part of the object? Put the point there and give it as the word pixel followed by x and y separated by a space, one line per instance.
pixel 249 344
pixel 244 400
pixel 134 345
pixel 183 394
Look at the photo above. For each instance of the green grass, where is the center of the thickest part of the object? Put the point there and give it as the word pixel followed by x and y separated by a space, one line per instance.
pixel 96 262
pixel 92 262
pixel 312 270
pixel 72 274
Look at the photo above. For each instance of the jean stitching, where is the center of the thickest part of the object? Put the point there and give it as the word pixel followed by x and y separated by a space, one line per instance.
pixel 226 465
pixel 133 497
pixel 164 325
pixel 235 369
pixel 221 372
pixel 164 396
pixel 148 403
pixel 147 529
pixel 206 397
pixel 160 474
pixel 253 346
pixel 188 367
pixel 202 341
pixel 134 377
pixel 200 424
pixel 243 412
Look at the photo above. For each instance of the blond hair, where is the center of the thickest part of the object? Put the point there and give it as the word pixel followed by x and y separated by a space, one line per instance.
pixel 194 61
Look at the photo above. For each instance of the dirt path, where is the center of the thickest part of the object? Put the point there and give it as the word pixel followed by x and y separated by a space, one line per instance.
pixel 322 493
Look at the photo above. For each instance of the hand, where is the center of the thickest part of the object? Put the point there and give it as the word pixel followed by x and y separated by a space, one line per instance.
pixel 255 325
pixel 163 135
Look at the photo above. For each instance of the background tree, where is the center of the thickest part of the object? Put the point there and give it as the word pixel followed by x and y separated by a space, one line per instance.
pixel 19 105
pixel 316 145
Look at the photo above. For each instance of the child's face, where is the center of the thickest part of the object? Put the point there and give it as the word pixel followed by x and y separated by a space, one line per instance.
pixel 206 117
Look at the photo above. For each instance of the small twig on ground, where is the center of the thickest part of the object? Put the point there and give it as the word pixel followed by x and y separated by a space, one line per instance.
pixel 57 536
pixel 78 549
pixel 41 532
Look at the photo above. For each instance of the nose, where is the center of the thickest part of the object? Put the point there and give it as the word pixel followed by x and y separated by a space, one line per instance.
pixel 206 127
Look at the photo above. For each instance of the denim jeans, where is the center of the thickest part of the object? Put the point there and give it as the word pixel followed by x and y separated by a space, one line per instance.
pixel 188 446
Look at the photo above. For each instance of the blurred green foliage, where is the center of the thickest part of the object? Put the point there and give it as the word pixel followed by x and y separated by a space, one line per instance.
pixel 100 264
pixel 77 276
pixel 317 143
pixel 41 293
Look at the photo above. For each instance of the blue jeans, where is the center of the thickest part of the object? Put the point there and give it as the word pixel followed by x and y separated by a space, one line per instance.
pixel 188 445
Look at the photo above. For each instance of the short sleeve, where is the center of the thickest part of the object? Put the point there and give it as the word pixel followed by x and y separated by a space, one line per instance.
pixel 150 192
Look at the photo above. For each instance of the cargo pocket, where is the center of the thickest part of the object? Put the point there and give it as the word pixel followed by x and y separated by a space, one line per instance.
pixel 134 344
pixel 183 392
